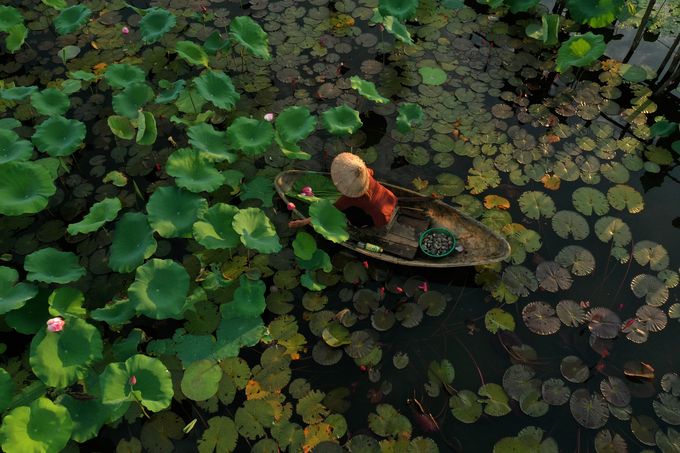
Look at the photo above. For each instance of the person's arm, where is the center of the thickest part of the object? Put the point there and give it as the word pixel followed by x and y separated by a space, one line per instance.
pixel 300 223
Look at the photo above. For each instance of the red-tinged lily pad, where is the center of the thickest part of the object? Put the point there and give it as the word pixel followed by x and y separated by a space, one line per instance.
pixel 540 318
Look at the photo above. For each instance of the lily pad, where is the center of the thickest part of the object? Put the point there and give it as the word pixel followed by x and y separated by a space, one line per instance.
pixel 432 76
pixel 577 259
pixel 566 223
pixel 496 401
pixel 155 24
pixel 341 120
pixel 214 230
pixel 651 288
pixel 212 144
pixel 153 386
pixel 51 101
pixel 580 50
pixel 589 410
pixel 201 379
pixel 120 76
pixel 367 90
pixel 613 229
pixel 295 124
pixel 536 204
pixel 540 318
pixel 218 88
pixel 409 118
pixel 649 252
pixel 24 188
pixel 193 170
pixel 160 289
pixel 625 197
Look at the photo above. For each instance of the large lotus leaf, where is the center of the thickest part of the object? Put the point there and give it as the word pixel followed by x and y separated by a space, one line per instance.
pixel 6 387
pixel 153 385
pixel 146 129
pixel 170 91
pixel 250 136
pixel 596 13
pixel 100 213
pixel 51 101
pixel 517 6
pixel 173 211
pixel 217 87
pixel 121 127
pixel 329 221
pixel 42 427
pixel 367 89
pixel 341 120
pixel 71 19
pixel 67 302
pixel 193 53
pixel 193 170
pixel 215 43
pixel 156 24
pixel 259 187
pixel 401 9
pixel 17 36
pixel 304 245
pixel 52 266
pixel 201 380
pixel 120 76
pixel 214 230
pixel 236 333
pixel 133 242
pixel 13 296
pixel 128 102
pixel 256 230
pixel 117 314
pixel 295 124
pixel 392 25
pixel 59 136
pixel 88 416
pixel 17 93
pixel 291 150
pixel 410 117
pixel 496 401
pixel 31 318
pixel 9 17
pixel 61 358
pixel 14 148
pixel 160 289
pixel 580 50
pixel 250 35
pixel 212 144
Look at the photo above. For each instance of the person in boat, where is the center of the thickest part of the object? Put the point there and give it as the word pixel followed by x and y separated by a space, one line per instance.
pixel 364 200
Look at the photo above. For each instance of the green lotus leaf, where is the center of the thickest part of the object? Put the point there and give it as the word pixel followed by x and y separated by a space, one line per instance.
pixel 193 170
pixel 100 213
pixel 128 102
pixel 193 53
pixel 295 124
pixel 9 17
pixel 256 230
pixel 51 101
pixel 56 4
pixel 171 91
pixel 153 387
pixel 251 36
pixel 319 260
pixel 497 318
pixel 59 136
pixel 214 230
pixel 622 196
pixel 291 150
pixel 42 427
pixel 536 204
pixel 308 280
pixel 201 380
pixel 17 93
pixel 160 289
pixel 156 24
pixel 221 436
pixel 304 245
pixel 173 211
pixel 596 13
pixel 392 25
pixel 496 401
pixel 31 318
pixel 633 73
pixel 517 6
pixel 367 90
pixel 88 416
pixel 215 43
pixel 400 9
pixel 52 266
pixel 453 4
pixel 329 221
pixel 212 143
pixel 121 127
pixel 146 128
pixel 322 187
pixel 13 296
pixel 120 76
pixel 17 36
pixel 82 75
pixel 261 188
pixel 580 50
pixel 236 333
pixel 67 302
pixel 116 314
pixel 336 335
pixel 432 76
pixel 61 358
pixel 217 87
pixel 133 242
pixel 6 386
pixel 250 136
pixel 663 128
pixel 464 406
pixel 410 117
pixel 341 120
pixel 9 123
pixel 71 19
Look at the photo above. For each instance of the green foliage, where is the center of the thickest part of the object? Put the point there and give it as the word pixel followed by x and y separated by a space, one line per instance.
pixel 71 19
pixel 193 170
pixel 133 242
pixel 193 53
pixel 9 17
pixel 217 87
pixel 156 24
pixel 596 13
pixel 128 102
pixel 13 296
pixel 120 76
pixel 295 124
pixel 329 221
pixel 367 90
pixel 214 230
pixel 256 230
pixel 17 35
pixel 160 289
pixel 250 35
pixel 410 117
pixel 49 265
pixel 100 213
pixel 250 136
pixel 20 433
pixel 173 211
pixel 580 50
pixel 341 120
pixel 59 136
pixel 24 188
pixel 400 9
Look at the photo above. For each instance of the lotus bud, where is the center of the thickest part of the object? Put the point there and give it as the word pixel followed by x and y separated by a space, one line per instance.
pixel 125 30
pixel 307 189
pixel 273 288
pixel 55 324
pixel 382 28
pixel 269 117
pixel 133 380
pixel 291 206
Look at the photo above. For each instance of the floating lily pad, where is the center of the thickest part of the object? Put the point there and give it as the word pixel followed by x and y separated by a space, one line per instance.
pixel 496 401
pixel 540 318
pixel 432 76
pixel 590 411
pixel 193 170
pixel 570 313
pixel 409 118
pixel 651 288
pixel 155 24
pixel 153 385
pixel 24 188
pixel 341 120
pixel 214 230
pixel 555 392
pixel 256 230
pixel 603 322
pixel 567 223
pixel 250 136
pixel 51 101
pixel 100 213
pixel 615 391
pixel 653 318
pixel 218 88
pixel 497 318
pixel 668 408
pixel 201 379
pixel 13 148
pixel 295 124
pixel 622 196
pixel 71 19
pixel 465 407
pixel 649 252
pixel 121 75
pixel 536 204
pixel 519 280
pixel 588 200
pixel 577 259
pixel 580 50
pixel 573 369
pixel 645 429
pixel 552 276
pixel 612 228
pixel 518 378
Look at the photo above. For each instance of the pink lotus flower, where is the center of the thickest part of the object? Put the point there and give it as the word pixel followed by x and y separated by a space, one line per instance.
pixel 269 117
pixel 306 194
pixel 125 30
pixel 291 206
pixel 55 324
pixel 133 380
pixel 307 189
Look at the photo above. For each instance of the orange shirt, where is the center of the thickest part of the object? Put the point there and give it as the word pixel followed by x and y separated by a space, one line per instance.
pixel 379 207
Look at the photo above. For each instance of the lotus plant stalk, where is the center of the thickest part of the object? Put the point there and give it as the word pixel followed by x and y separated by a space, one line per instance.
pixel 133 381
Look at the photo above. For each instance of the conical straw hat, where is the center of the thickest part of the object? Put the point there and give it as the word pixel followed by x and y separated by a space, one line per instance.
pixel 350 175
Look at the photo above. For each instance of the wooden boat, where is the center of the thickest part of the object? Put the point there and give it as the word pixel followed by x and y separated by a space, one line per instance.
pixel 400 239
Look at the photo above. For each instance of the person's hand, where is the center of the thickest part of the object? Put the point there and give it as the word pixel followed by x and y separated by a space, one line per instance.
pixel 298 223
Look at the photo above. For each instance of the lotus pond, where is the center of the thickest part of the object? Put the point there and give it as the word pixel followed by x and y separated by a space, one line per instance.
pixel 153 297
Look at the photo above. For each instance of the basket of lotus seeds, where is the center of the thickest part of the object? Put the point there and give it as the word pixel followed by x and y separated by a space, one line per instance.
pixel 437 242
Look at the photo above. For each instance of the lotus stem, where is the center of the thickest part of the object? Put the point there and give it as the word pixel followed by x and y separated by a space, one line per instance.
pixel 473 359
pixel 140 404
pixel 139 192
pixel 192 103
